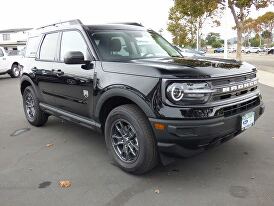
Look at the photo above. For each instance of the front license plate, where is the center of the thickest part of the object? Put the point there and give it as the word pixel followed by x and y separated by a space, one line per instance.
pixel 248 120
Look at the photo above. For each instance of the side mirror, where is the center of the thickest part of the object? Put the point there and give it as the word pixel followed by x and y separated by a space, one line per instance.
pixel 74 57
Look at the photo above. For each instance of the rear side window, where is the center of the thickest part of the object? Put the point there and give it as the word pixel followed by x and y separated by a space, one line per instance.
pixel 1 53
pixel 49 46
pixel 32 47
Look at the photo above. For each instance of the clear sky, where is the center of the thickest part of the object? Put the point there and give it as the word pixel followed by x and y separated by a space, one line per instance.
pixel 34 13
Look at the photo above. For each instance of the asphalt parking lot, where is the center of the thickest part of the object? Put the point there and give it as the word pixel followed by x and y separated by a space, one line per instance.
pixel 262 61
pixel 33 161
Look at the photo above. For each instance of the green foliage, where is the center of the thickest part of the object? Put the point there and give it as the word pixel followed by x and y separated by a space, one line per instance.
pixel 255 42
pixel 196 9
pixel 186 17
pixel 266 34
pixel 212 37
pixel 217 44
pixel 240 10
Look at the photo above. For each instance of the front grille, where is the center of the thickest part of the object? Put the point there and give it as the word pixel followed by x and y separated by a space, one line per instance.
pixel 238 108
pixel 223 96
pixel 232 87
pixel 223 81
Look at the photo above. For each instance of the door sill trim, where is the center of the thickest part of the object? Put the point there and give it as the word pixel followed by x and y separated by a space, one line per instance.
pixel 70 116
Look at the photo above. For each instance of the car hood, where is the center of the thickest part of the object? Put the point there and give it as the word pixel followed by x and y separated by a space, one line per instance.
pixel 196 67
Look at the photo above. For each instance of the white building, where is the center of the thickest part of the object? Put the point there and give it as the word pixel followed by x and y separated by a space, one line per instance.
pixel 14 39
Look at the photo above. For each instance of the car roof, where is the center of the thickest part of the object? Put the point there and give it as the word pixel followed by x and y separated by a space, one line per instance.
pixel 77 24
pixel 115 27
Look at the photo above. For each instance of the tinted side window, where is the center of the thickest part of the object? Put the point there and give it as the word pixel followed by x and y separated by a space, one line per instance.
pixel 73 41
pixel 32 47
pixel 1 53
pixel 49 46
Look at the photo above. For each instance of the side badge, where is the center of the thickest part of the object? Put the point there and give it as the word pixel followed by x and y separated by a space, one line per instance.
pixel 85 93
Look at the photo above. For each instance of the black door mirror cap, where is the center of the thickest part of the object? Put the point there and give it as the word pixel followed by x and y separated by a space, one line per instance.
pixel 74 57
pixel 88 65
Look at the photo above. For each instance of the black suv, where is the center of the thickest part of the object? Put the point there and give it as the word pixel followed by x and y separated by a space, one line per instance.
pixel 136 88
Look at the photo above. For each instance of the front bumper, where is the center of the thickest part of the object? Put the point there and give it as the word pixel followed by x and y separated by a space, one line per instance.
pixel 186 136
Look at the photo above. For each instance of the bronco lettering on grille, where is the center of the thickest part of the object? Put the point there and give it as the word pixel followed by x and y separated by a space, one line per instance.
pixel 239 86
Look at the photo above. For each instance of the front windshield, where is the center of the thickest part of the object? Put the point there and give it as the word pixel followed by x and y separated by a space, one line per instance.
pixel 119 45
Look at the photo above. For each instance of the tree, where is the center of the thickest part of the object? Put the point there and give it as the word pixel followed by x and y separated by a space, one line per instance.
pixel 240 10
pixel 255 41
pixel 214 39
pixel 248 27
pixel 187 17
pixel 176 28
pixel 266 25
pixel 267 21
pixel 217 44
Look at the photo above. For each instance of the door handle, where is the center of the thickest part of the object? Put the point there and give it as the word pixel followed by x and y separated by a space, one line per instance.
pixel 34 69
pixel 58 72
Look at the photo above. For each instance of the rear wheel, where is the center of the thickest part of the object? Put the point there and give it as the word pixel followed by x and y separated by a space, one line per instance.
pixel 33 113
pixel 15 71
pixel 130 140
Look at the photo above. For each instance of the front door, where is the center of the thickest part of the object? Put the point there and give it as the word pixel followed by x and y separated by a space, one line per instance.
pixel 74 91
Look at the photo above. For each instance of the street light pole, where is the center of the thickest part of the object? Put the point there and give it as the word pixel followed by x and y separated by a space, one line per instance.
pixel 197 46
pixel 226 30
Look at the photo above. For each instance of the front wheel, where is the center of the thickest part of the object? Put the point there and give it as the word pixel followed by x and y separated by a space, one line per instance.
pixel 33 113
pixel 15 71
pixel 130 139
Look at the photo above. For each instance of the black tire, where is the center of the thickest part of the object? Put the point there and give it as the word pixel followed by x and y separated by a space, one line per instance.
pixel 147 157
pixel 31 105
pixel 15 71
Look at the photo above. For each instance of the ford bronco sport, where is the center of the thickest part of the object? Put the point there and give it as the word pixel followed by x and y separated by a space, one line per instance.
pixel 137 89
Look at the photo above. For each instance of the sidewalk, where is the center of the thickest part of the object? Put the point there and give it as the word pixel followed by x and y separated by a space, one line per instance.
pixel 266 78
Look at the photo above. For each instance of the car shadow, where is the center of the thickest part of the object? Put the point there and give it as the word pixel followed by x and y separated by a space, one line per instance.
pixel 226 157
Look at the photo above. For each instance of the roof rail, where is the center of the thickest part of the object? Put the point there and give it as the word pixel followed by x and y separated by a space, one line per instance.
pixel 70 22
pixel 130 23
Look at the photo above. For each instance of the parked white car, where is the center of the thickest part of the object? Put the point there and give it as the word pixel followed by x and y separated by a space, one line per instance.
pixel 9 64
pixel 231 50
pixel 253 50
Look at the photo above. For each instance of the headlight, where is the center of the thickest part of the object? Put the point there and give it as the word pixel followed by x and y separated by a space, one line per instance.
pixel 187 93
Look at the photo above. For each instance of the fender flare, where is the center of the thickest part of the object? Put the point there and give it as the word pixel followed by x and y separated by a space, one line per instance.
pixel 129 94
pixel 26 78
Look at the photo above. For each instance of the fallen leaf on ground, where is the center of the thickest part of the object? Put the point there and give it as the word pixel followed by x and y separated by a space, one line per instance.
pixel 272 137
pixel 64 183
pixel 49 145
pixel 157 191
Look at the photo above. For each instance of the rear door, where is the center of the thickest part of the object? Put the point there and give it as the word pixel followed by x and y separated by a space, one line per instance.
pixel 45 77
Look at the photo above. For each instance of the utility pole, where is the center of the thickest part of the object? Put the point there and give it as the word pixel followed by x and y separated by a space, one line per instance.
pixel 226 30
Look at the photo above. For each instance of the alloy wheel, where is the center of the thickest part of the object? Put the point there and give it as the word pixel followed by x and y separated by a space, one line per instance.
pixel 30 106
pixel 124 141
